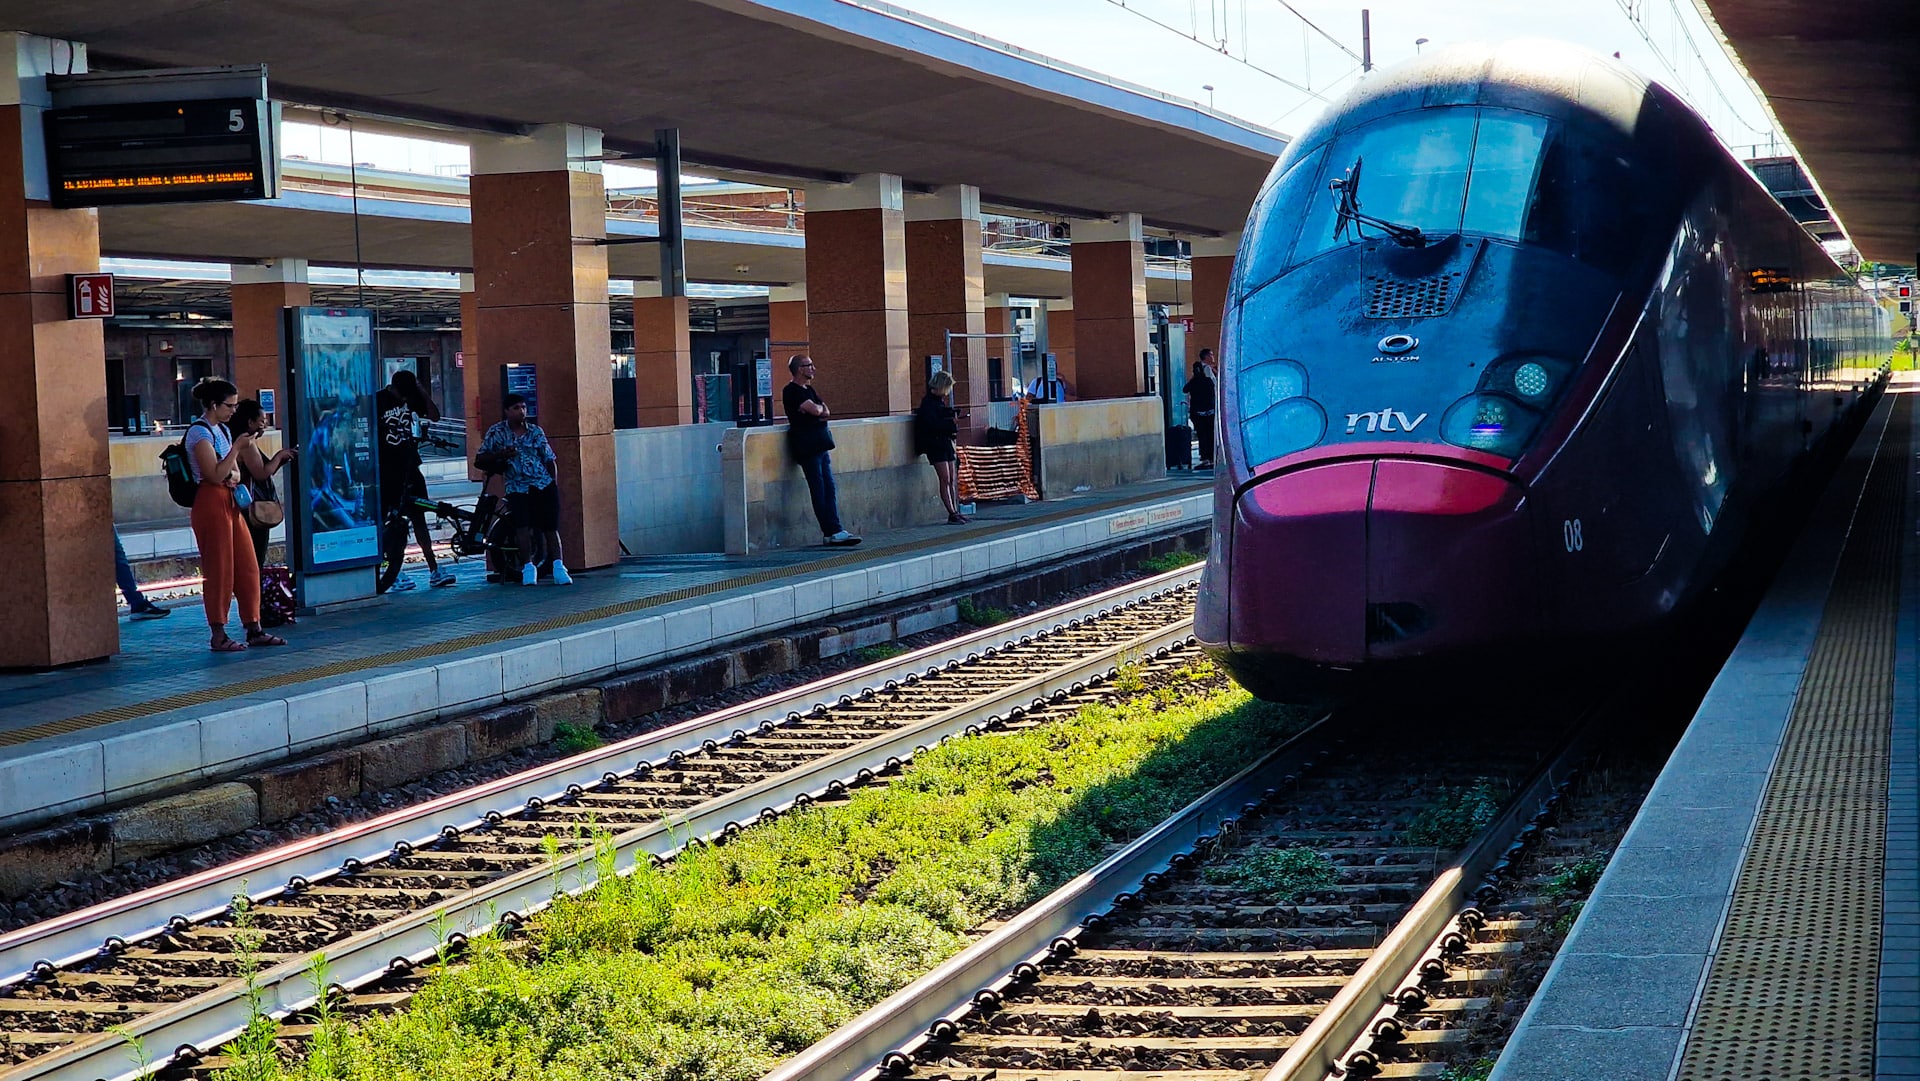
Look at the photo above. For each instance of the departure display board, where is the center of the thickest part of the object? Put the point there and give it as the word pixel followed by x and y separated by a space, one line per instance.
pixel 137 153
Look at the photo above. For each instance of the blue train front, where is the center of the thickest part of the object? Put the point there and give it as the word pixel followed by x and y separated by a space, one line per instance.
pixel 1512 352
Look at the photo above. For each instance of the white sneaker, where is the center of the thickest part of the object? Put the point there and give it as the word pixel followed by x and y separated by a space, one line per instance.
pixel 529 574
pixel 843 538
pixel 560 575
pixel 401 585
pixel 443 578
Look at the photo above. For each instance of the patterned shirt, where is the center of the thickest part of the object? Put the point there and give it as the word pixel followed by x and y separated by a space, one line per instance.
pixel 527 470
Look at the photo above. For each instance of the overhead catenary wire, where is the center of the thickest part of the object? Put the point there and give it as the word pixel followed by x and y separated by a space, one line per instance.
pixel 1635 11
pixel 1221 48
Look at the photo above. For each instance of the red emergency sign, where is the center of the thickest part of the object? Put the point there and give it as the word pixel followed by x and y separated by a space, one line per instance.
pixel 89 296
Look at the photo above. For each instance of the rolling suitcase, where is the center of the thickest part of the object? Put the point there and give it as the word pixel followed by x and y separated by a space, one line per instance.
pixel 1180 447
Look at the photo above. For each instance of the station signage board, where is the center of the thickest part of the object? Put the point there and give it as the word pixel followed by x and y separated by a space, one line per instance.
pixel 173 135
pixel 89 296
pixel 136 153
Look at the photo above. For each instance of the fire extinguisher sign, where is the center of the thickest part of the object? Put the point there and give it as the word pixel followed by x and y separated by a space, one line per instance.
pixel 90 296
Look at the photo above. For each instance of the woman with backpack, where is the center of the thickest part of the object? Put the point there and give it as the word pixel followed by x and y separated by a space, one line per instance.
pixel 230 571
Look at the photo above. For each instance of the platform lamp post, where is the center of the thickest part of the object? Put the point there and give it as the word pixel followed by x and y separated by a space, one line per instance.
pixel 1417 42
pixel 1208 87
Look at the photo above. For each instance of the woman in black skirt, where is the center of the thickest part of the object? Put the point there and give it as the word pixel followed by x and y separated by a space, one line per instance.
pixel 934 431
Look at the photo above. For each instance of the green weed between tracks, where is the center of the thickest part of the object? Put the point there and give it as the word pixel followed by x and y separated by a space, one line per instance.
pixel 729 959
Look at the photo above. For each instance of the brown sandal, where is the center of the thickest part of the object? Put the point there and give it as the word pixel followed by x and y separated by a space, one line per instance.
pixel 223 644
pixel 264 638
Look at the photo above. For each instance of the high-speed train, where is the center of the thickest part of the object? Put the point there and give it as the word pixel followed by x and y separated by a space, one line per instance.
pixel 1513 350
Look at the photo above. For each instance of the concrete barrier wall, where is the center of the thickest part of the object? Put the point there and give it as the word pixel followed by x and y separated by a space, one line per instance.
pixel 139 488
pixel 881 482
pixel 669 481
pixel 1087 446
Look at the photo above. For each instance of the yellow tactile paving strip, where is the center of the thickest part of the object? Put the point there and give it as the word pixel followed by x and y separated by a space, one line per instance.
pixel 220 691
pixel 1793 989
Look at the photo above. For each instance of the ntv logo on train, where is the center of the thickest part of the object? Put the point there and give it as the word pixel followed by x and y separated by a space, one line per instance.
pixel 1394 349
pixel 1385 420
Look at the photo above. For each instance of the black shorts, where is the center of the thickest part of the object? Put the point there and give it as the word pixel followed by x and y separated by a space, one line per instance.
pixel 398 483
pixel 538 510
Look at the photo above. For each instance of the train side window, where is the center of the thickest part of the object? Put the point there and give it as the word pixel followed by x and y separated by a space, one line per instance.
pixel 1275 217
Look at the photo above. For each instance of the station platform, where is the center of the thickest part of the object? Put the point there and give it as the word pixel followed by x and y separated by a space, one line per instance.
pixel 1761 917
pixel 167 711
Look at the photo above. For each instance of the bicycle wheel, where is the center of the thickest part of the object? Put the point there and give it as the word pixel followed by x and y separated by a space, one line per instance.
pixel 393 552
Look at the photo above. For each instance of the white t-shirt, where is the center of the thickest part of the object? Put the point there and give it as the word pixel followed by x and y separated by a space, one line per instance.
pixel 202 432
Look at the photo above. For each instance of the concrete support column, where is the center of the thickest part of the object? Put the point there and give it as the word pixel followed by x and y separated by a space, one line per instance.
pixel 1060 316
pixel 1109 307
pixel 946 291
pixel 481 396
pixel 662 358
pixel 540 290
pixel 786 325
pixel 1212 270
pixel 56 495
pixel 857 296
pixel 259 293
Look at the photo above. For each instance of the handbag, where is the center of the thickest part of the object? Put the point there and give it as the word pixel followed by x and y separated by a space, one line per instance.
pixel 264 510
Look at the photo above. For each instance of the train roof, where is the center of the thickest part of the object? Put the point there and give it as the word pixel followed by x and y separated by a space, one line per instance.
pixel 1538 75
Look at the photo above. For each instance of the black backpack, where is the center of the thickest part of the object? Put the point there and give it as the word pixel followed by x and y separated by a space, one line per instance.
pixel 179 470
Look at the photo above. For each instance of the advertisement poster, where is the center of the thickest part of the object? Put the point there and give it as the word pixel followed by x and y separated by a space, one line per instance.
pixel 334 379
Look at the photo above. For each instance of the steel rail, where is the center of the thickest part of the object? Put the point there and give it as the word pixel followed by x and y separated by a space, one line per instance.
pixel 81 935
pixel 883 1039
pixel 1379 991
pixel 200 1024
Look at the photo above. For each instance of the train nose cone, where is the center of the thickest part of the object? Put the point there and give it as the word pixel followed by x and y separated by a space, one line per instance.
pixel 1379 560
pixel 1300 566
pixel 1449 561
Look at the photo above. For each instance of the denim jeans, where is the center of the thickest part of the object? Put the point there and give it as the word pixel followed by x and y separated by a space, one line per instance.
pixel 826 505
pixel 123 575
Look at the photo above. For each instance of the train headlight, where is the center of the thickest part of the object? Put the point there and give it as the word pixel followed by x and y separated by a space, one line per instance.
pixel 1489 422
pixel 1532 381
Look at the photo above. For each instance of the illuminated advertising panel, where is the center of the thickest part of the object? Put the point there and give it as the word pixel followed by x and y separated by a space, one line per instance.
pixel 332 379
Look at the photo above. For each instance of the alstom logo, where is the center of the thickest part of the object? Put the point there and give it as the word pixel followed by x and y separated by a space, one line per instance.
pixel 1386 420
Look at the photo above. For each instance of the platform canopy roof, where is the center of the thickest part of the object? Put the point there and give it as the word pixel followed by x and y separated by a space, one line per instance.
pixel 1844 81
pixel 791 89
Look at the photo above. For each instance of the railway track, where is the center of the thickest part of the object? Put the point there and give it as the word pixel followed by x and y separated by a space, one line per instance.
pixel 169 974
pixel 1175 957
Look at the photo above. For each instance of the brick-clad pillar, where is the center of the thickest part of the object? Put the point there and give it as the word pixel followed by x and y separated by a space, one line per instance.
pixel 786 325
pixel 662 358
pixel 1109 307
pixel 1060 344
pixel 56 495
pixel 540 287
pixel 1212 269
pixel 482 396
pixel 259 293
pixel 857 296
pixel 946 291
pixel 997 318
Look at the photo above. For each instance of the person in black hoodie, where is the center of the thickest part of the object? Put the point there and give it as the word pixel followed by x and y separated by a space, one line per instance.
pixel 934 431
pixel 1200 405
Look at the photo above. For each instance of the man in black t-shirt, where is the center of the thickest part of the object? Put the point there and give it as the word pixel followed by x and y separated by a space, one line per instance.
pixel 812 446
pixel 399 405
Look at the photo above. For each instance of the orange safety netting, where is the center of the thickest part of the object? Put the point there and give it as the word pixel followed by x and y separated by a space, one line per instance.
pixel 999 472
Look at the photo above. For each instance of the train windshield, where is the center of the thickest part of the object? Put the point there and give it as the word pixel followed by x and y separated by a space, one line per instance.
pixel 1441 171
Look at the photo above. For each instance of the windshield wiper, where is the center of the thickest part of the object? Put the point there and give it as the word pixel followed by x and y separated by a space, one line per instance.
pixel 1347 210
